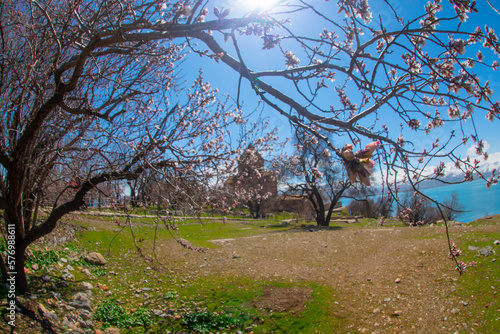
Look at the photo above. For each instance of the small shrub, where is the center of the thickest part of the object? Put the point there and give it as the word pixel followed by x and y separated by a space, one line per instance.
pixel 99 272
pixel 80 262
pixel 42 258
pixel 204 322
pixel 170 294
pixel 111 314
pixel 72 247
pixel 141 317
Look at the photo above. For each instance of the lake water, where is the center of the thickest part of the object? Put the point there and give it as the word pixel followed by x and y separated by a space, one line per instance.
pixel 478 200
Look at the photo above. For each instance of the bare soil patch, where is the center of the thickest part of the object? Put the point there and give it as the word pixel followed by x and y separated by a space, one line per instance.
pixel 281 299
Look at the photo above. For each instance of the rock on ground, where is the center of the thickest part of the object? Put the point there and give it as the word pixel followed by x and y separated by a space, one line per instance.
pixel 95 258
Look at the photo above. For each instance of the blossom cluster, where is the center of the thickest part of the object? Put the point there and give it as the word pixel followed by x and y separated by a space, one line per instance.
pixel 461 266
pixel 359 163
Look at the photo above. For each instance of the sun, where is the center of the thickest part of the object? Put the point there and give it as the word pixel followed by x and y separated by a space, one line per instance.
pixel 259 4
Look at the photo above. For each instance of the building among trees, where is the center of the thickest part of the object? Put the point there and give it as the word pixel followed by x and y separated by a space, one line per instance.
pixel 256 186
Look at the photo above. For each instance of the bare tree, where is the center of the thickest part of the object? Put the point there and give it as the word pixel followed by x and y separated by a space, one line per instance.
pixel 366 203
pixel 314 174
pixel 452 207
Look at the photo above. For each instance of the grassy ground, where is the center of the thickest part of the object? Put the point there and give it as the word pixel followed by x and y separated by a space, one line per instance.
pixel 268 277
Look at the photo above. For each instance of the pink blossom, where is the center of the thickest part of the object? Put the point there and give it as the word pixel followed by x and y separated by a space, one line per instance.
pixel 359 163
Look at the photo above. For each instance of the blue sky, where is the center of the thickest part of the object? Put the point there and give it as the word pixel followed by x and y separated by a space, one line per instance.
pixel 226 79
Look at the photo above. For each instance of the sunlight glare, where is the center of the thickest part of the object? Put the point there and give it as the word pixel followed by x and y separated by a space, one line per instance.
pixel 258 4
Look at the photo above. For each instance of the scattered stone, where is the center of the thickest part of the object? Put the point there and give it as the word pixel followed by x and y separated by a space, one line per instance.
pixel 465 303
pixel 35 267
pixel 67 276
pixel 485 251
pixel 146 289
pixel 488 217
pixel 63 260
pixel 42 308
pixel 95 258
pixel 157 312
pixel 496 242
pixel 68 308
pixel 84 324
pixel 455 311
pixel 46 278
pixel 112 331
pixel 69 268
pixel 87 286
pixel 67 323
pixel 86 272
pixel 397 313
pixel 398 280
pixel 81 300
pixel 387 300
pixel 50 315
pixel 84 314
pixel 376 311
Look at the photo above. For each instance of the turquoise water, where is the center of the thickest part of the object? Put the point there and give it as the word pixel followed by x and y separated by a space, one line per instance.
pixel 477 199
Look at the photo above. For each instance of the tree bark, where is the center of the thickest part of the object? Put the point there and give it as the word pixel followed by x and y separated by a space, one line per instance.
pixel 21 278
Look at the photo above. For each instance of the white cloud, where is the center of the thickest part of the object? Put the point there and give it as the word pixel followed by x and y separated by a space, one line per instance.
pixel 493 161
pixel 471 151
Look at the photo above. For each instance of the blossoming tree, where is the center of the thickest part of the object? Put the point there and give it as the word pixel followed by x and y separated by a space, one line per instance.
pixel 315 175
pixel 96 81
pixel 84 103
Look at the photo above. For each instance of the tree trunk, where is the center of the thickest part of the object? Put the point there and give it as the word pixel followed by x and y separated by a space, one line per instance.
pixel 319 206
pixel 21 279
pixel 16 269
pixel 320 219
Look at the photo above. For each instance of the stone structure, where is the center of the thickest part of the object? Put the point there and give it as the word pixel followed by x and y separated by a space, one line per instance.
pixel 257 186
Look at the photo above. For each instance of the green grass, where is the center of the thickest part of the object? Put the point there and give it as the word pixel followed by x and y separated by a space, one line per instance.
pixel 205 322
pixel 317 317
pixel 42 258
pixel 235 295
pixel 200 234
pixel 113 315
pixel 479 287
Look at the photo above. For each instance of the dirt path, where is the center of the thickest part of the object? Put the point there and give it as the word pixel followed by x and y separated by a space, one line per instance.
pixel 387 280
